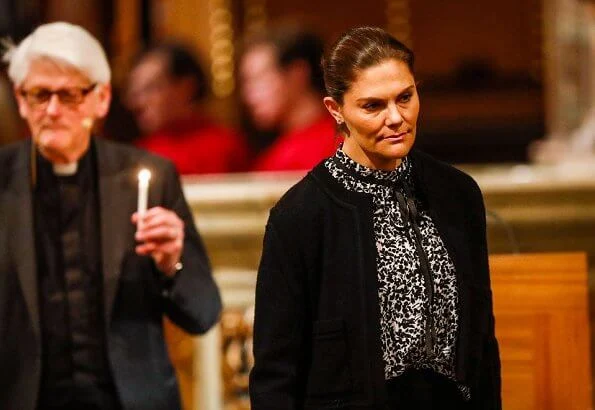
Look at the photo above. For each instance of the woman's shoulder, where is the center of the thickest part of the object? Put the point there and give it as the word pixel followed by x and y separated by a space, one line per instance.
pixel 309 202
pixel 440 174
pixel 302 201
pixel 434 165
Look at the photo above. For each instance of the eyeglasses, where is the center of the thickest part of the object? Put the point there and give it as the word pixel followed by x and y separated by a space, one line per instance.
pixel 38 97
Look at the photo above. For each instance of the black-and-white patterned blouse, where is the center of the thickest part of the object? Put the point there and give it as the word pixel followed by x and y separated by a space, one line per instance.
pixel 402 292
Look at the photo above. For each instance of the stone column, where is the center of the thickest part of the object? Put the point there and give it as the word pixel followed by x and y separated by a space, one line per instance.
pixel 568 53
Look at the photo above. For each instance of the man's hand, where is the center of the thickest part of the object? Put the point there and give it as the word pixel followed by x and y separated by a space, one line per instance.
pixel 160 233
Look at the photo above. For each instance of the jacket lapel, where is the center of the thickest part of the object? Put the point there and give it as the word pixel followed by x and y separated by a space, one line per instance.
pixel 20 228
pixel 116 205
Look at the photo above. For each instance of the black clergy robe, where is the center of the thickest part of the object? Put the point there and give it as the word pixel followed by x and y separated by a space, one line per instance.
pixel 134 294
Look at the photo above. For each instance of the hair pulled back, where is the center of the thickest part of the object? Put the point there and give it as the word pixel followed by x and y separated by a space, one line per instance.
pixel 357 49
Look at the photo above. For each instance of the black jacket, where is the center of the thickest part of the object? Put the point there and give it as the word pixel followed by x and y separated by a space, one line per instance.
pixel 317 327
pixel 134 297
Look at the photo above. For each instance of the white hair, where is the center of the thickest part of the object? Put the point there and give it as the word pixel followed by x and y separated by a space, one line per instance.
pixel 63 43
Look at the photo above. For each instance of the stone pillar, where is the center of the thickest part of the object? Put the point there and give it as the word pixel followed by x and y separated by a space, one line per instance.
pixel 568 58
pixel 589 13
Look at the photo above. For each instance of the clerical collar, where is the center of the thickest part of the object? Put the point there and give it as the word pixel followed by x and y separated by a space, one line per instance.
pixel 75 171
pixel 65 169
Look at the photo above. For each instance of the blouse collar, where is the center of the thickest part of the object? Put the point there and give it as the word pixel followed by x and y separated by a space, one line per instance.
pixel 379 176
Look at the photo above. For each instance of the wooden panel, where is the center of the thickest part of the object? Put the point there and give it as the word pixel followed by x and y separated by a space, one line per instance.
pixel 541 308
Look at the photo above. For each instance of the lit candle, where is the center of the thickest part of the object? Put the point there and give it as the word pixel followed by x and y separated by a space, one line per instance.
pixel 143 191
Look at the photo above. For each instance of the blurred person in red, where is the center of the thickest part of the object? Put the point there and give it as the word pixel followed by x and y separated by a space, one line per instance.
pixel 166 91
pixel 282 88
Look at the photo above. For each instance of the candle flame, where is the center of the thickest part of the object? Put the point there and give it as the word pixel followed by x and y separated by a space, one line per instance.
pixel 144 175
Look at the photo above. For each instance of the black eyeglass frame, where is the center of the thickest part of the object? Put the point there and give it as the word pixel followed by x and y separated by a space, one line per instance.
pixel 71 97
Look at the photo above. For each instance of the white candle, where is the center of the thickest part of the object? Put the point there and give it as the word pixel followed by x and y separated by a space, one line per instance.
pixel 143 191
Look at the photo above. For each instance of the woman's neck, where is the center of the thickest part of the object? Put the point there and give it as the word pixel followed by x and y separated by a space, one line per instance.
pixel 353 151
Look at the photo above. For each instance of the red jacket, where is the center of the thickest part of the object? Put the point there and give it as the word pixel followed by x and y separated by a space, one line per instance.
pixel 199 146
pixel 300 149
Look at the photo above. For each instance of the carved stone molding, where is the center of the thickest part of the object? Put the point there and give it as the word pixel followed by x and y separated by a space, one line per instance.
pixel 222 49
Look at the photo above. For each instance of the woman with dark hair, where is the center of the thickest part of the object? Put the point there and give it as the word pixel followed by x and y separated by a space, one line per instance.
pixel 373 290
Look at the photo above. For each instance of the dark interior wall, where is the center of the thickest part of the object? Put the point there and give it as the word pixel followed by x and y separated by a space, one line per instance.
pixel 17 19
pixel 480 67
pixel 330 17
pixel 504 33
pixel 478 64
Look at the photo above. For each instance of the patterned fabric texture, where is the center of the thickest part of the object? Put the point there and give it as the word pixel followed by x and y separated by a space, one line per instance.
pixel 401 284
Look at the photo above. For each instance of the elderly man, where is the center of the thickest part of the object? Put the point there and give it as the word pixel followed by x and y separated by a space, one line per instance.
pixel 84 279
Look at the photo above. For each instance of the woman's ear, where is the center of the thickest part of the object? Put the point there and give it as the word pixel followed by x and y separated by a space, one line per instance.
pixel 334 108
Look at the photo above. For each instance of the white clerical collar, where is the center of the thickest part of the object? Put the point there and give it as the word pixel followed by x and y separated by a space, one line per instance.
pixel 65 169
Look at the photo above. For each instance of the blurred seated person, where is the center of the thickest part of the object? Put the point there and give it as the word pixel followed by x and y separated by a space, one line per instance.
pixel 282 87
pixel 166 91
pixel 578 146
